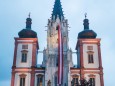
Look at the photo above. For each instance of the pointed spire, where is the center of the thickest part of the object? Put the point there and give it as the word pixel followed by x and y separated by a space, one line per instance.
pixel 57 10
pixel 86 23
pixel 28 22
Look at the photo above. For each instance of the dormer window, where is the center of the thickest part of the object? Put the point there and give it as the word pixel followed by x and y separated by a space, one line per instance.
pixel 24 56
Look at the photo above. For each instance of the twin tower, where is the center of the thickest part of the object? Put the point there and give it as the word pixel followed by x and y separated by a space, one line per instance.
pixel 26 72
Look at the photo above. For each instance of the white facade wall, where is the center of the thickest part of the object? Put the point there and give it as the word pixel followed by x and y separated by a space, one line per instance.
pixel 50 75
pixel 27 80
pixel 95 56
pixel 19 56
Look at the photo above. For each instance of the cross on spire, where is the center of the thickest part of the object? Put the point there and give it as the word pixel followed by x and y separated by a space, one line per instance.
pixel 29 14
pixel 28 22
pixel 86 22
pixel 85 15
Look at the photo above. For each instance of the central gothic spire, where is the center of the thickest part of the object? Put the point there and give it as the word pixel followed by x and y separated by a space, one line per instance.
pixel 57 10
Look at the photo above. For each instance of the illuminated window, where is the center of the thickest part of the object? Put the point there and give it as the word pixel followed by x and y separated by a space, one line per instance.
pixel 24 56
pixel 22 79
pixel 24 46
pixel 39 80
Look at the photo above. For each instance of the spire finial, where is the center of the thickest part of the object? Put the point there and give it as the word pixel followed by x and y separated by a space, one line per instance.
pixel 57 10
pixel 29 14
pixel 85 15
pixel 28 22
pixel 86 22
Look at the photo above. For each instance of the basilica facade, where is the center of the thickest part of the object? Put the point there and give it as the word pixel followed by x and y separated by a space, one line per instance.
pixel 57 69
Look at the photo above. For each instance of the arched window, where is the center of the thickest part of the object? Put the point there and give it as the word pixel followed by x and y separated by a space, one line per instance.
pixel 22 79
pixel 39 80
pixel 75 80
pixel 24 56
pixel 92 80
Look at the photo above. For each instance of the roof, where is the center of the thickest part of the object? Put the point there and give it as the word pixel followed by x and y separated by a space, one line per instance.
pixel 57 10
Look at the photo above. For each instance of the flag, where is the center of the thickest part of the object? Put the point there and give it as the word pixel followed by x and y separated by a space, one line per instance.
pixel 60 56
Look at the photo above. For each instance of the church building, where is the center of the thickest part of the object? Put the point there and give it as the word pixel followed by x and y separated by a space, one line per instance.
pixel 57 68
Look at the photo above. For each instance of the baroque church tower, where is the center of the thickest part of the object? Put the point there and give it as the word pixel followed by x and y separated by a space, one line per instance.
pixel 89 62
pixel 57 68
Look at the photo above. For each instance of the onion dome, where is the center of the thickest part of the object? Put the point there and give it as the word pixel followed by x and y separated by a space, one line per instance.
pixel 57 10
pixel 86 33
pixel 27 32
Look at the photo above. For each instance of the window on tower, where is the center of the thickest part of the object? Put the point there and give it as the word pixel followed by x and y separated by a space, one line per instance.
pixel 90 47
pixel 24 56
pixel 92 81
pixel 24 46
pixel 40 80
pixel 90 57
pixel 75 80
pixel 22 79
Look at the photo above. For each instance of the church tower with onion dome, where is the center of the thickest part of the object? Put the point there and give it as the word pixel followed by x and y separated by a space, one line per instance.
pixel 89 62
pixel 25 56
pixel 57 68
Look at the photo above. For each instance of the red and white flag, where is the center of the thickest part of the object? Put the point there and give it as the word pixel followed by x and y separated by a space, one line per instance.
pixel 60 56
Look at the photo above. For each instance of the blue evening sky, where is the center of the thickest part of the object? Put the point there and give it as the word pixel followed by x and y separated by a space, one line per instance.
pixel 13 14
